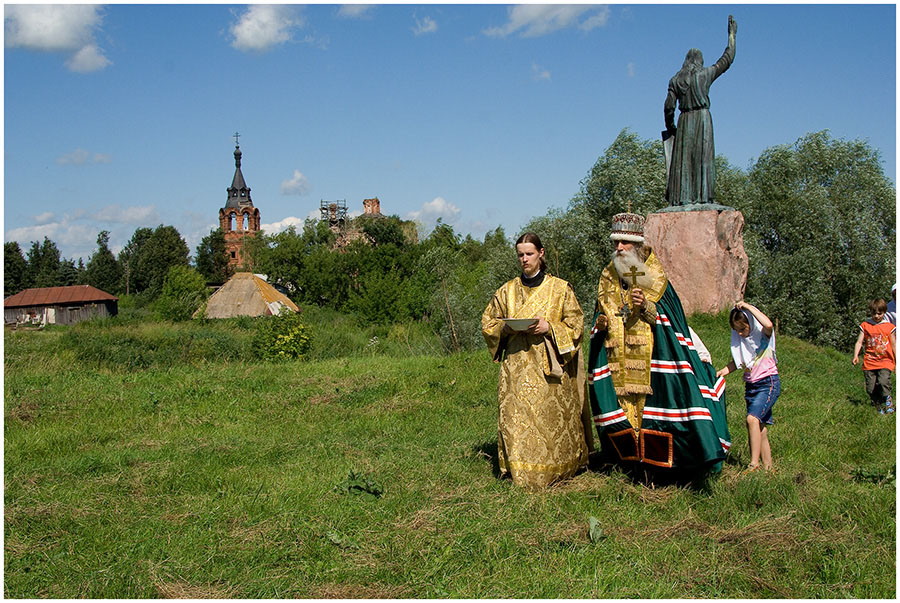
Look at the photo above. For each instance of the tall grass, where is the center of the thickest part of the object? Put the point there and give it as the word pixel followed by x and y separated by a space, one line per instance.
pixel 228 479
pixel 136 340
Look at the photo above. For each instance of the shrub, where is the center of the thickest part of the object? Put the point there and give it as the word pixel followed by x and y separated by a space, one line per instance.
pixel 183 292
pixel 281 337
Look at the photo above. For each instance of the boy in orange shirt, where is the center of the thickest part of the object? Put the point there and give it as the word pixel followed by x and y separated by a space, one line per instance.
pixel 879 337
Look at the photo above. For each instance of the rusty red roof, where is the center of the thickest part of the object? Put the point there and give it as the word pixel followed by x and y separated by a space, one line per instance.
pixel 48 296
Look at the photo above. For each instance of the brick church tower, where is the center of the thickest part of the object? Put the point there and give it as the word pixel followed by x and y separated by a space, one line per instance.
pixel 238 219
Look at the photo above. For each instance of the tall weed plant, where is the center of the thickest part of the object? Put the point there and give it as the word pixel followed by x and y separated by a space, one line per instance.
pixel 281 337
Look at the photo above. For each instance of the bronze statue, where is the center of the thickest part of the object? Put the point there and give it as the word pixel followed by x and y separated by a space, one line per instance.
pixel 690 152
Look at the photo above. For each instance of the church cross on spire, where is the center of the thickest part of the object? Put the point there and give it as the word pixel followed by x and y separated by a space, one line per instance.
pixel 236 137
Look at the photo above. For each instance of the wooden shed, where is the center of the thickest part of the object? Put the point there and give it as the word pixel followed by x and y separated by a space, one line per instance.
pixel 58 305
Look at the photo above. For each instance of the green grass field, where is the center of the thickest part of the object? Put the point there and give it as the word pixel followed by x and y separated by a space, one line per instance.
pixel 229 478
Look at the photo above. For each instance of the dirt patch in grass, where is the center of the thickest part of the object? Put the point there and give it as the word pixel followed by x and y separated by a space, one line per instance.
pixel 23 412
pixel 46 511
pixel 422 520
pixel 357 591
pixel 330 389
pixel 245 533
pixel 770 533
pixel 568 533
pixel 176 518
pixel 179 589
pixel 145 443
pixel 322 399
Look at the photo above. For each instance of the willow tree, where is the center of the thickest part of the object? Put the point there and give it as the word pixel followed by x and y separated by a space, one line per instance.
pixel 820 231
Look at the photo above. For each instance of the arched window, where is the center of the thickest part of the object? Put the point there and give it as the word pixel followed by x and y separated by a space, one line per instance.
pixel 231 218
pixel 246 221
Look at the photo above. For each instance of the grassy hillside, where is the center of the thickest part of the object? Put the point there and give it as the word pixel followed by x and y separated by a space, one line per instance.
pixel 197 479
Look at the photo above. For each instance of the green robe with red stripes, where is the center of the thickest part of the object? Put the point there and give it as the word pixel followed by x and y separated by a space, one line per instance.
pixel 683 423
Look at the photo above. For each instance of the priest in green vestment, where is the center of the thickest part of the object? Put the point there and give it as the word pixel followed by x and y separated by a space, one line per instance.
pixel 543 420
pixel 653 400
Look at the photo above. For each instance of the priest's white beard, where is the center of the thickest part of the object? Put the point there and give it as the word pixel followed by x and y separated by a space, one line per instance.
pixel 627 259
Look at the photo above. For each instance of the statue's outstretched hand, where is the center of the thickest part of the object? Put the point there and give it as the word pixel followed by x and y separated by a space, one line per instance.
pixel 732 26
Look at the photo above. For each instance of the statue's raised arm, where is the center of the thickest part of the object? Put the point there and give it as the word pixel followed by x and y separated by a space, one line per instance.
pixel 727 57
pixel 691 176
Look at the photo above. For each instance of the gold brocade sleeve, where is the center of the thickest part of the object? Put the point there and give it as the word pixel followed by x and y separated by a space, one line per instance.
pixel 649 312
pixel 568 329
pixel 492 326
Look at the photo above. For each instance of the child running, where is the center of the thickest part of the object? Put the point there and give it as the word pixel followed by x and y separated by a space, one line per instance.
pixel 879 337
pixel 753 349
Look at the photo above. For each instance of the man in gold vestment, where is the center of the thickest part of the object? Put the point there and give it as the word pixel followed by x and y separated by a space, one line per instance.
pixel 654 401
pixel 544 421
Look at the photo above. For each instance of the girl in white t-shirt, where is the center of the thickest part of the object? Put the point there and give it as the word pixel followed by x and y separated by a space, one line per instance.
pixel 753 349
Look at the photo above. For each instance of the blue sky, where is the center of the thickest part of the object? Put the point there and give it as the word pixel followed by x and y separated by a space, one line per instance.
pixel 121 116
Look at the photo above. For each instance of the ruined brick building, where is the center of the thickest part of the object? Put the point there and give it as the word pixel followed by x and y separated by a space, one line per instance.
pixel 238 219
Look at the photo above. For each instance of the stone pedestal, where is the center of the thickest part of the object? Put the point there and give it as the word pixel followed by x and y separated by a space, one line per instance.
pixel 703 255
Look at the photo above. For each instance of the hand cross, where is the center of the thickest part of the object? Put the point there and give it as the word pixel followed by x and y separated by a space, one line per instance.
pixel 633 274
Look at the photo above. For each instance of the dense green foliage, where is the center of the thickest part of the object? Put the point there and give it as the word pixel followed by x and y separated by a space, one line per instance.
pixel 282 337
pixel 383 278
pixel 43 265
pixel 128 259
pixel 183 292
pixel 199 473
pixel 212 258
pixel 820 233
pixel 14 269
pixel 103 270
pixel 161 250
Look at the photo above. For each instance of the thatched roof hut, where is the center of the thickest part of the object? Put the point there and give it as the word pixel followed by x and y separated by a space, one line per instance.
pixel 246 294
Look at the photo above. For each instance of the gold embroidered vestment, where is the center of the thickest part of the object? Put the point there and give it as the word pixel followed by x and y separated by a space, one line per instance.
pixel 542 407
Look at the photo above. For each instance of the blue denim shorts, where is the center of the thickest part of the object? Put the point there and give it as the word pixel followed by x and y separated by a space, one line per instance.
pixel 761 396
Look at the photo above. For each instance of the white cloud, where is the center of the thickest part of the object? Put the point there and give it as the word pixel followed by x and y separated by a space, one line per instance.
pixel 630 68
pixel 263 26
pixel 136 214
pixel 424 26
pixel 356 11
pixel 57 28
pixel 75 233
pixel 89 58
pixel 539 73
pixel 73 240
pixel 76 157
pixel 81 157
pixel 50 27
pixel 296 185
pixel 281 225
pixel 533 20
pixel 434 209
pixel 32 233
pixel 598 19
pixel 44 218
